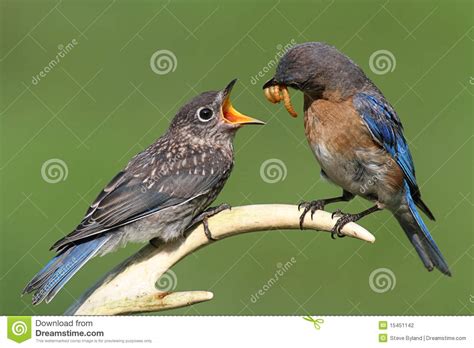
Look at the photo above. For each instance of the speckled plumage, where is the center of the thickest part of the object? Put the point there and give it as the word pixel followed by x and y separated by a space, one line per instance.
pixel 158 194
pixel 357 137
pixel 178 174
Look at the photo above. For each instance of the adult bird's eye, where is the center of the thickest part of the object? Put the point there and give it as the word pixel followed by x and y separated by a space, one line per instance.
pixel 205 114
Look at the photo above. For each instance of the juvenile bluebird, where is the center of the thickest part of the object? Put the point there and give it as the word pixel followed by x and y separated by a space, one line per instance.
pixel 162 192
pixel 357 138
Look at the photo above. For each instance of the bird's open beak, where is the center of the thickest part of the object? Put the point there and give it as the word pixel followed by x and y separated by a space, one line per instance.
pixel 230 114
pixel 275 93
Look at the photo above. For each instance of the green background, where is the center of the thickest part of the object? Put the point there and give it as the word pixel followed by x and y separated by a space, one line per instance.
pixel 103 103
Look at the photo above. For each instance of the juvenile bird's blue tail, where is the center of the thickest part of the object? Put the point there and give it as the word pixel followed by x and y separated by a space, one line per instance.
pixel 57 272
pixel 419 236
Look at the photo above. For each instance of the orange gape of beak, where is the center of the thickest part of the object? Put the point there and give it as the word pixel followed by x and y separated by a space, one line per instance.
pixel 232 116
pixel 273 95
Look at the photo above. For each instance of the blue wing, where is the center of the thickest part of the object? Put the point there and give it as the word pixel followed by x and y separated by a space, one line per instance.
pixel 387 130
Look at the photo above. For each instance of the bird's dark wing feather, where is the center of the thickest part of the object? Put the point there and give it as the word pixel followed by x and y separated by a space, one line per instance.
pixel 128 198
pixel 387 130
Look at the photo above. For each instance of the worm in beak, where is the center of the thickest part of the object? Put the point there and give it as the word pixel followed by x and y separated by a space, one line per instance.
pixel 276 94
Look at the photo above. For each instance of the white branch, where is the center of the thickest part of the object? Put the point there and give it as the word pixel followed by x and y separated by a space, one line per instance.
pixel 130 287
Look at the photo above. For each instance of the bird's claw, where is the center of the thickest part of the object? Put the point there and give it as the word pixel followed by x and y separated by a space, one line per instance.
pixel 207 231
pixel 312 206
pixel 337 213
pixel 343 220
pixel 205 215
pixel 223 207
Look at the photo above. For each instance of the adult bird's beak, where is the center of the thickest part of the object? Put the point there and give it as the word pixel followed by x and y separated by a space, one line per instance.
pixel 276 92
pixel 230 114
pixel 270 83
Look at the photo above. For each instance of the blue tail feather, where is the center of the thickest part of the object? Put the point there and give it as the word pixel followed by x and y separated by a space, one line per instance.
pixel 421 238
pixel 61 268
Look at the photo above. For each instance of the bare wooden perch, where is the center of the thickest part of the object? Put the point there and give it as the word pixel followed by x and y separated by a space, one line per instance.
pixel 130 287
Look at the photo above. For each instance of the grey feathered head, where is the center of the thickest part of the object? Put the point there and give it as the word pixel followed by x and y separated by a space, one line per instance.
pixel 315 68
pixel 209 115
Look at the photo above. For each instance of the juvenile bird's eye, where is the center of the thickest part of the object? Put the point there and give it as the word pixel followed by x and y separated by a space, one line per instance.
pixel 205 114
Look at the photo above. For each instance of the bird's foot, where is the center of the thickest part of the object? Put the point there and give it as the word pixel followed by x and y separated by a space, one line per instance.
pixel 344 218
pixel 310 206
pixel 206 214
pixel 207 231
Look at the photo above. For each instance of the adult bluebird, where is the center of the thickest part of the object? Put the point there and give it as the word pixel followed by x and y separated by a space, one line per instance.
pixel 357 138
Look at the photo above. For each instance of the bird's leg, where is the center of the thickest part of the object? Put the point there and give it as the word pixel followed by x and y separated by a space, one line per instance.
pixel 205 215
pixel 346 218
pixel 320 204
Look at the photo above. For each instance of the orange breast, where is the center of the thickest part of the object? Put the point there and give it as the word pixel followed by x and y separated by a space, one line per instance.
pixel 337 125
